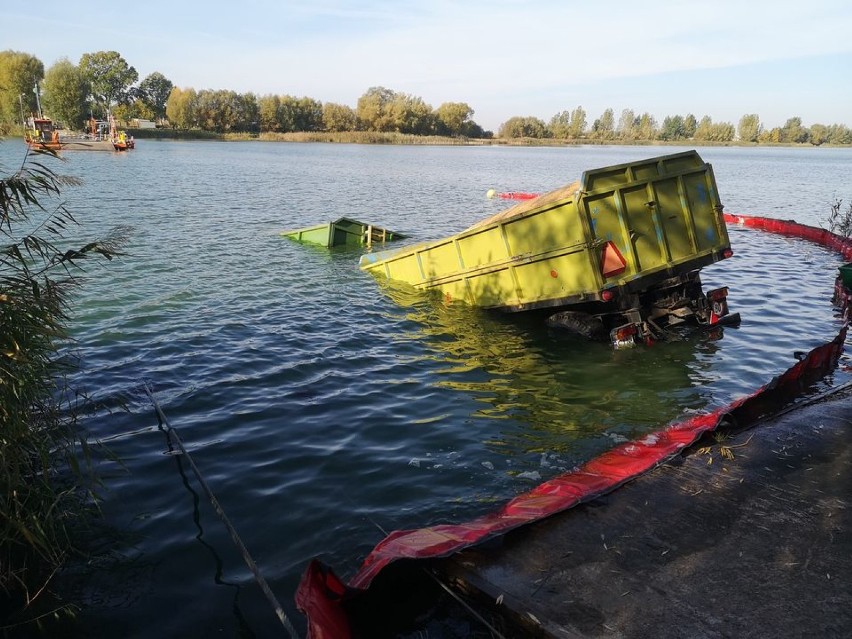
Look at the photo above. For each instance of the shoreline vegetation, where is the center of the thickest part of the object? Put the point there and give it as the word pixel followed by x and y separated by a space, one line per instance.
pixel 395 138
pixel 382 137
pixel 49 485
pixel 375 137
pixel 103 86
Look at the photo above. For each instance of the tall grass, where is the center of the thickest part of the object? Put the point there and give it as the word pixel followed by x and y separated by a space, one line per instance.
pixel 45 478
pixel 839 220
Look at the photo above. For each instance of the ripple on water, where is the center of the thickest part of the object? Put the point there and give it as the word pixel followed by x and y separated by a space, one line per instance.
pixel 319 404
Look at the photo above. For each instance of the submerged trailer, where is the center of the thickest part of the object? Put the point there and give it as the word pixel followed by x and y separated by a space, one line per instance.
pixel 614 255
pixel 343 232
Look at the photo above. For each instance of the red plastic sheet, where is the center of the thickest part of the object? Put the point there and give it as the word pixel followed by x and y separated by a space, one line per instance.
pixel 321 593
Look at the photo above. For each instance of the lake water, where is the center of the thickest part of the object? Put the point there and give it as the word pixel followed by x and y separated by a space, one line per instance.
pixel 320 406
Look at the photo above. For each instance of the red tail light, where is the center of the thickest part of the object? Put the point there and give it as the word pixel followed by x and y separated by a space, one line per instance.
pixel 727 253
pixel 607 296
pixel 624 333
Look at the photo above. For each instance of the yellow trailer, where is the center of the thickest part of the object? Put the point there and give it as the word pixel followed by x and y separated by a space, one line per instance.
pixel 617 252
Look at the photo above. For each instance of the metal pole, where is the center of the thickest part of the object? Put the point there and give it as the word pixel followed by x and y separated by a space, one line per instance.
pixel 38 101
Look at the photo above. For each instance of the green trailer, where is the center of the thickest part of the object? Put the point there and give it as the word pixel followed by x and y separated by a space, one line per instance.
pixel 343 232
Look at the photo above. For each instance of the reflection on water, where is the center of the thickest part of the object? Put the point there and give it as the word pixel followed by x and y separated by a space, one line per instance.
pixel 557 390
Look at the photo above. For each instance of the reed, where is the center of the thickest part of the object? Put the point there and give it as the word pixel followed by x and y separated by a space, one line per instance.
pixel 840 220
pixel 369 137
pixel 46 479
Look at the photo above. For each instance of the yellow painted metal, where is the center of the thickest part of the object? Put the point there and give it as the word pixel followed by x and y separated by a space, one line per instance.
pixel 663 214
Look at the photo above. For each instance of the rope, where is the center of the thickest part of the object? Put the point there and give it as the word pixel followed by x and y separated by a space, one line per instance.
pixel 279 611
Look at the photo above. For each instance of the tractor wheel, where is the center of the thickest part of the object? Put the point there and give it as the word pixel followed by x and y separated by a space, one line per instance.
pixel 582 324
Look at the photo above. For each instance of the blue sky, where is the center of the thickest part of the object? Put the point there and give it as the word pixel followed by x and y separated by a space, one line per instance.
pixel 503 57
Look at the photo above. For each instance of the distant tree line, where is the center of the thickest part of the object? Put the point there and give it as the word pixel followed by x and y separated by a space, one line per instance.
pixel 379 109
pixel 630 127
pixel 103 82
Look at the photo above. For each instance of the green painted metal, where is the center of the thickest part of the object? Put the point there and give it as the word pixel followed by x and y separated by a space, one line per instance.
pixel 343 232
pixel 846 275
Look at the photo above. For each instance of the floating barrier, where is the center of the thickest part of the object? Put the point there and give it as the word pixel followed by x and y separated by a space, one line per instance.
pixel 321 594
pixel 842 245
pixel 511 195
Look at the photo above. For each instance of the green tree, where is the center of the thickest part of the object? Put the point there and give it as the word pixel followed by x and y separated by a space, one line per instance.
pixel 793 131
pixel 19 75
pixel 577 127
pixel 156 88
pixel 689 126
pixel 181 108
pixel 704 130
pixel 839 134
pixel 338 117
pixel 308 114
pixel 299 114
pixel 724 132
pixel 410 114
pixel 268 106
pixel 288 113
pixel 604 127
pixel 818 134
pixel 646 129
pixel 373 109
pixel 224 111
pixel 672 128
pixel 138 109
pixel 248 113
pixel 626 129
pixel 472 130
pixel 771 136
pixel 560 125
pixel 568 124
pixel 523 127
pixel 211 111
pixel 714 132
pixel 109 77
pixel 454 118
pixel 749 128
pixel 65 94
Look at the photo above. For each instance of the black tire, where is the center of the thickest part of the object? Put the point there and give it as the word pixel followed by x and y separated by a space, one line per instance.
pixel 581 324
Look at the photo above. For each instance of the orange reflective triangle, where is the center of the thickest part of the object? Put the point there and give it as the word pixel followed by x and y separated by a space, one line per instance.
pixel 612 262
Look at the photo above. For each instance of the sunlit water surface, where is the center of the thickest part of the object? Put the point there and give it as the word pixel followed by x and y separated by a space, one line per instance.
pixel 320 405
